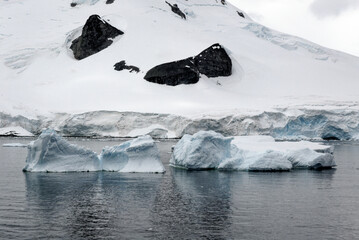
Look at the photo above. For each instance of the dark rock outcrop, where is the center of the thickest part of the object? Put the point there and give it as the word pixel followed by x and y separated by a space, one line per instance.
pixel 212 62
pixel 241 14
pixel 176 10
pixel 73 4
pixel 122 66
pixel 109 1
pixel 174 73
pixel 96 36
pixel 223 2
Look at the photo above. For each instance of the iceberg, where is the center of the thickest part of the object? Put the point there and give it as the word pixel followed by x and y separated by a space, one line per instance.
pixel 245 160
pixel 52 153
pixel 138 155
pixel 203 150
pixel 210 150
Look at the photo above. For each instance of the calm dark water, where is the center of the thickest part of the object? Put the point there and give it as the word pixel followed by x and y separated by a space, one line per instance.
pixel 178 204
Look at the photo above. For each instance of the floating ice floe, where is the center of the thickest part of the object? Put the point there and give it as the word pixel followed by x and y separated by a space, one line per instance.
pixel 52 153
pixel 14 145
pixel 138 155
pixel 203 150
pixel 206 150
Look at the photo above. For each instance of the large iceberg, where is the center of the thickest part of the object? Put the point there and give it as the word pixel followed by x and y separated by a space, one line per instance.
pixel 138 155
pixel 203 150
pixel 248 153
pixel 52 153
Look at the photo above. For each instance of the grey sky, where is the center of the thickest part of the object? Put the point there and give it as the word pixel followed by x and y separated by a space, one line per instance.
pixel 326 8
pixel 331 23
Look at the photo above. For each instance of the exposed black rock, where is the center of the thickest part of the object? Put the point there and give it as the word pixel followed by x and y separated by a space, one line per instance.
pixel 176 10
pixel 96 36
pixel 109 1
pixel 73 4
pixel 223 2
pixel 241 14
pixel 214 62
pixel 174 73
pixel 122 65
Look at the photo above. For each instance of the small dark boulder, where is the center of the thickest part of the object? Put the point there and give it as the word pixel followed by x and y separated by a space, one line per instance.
pixel 241 14
pixel 223 2
pixel 174 73
pixel 96 36
pixel 109 1
pixel 73 4
pixel 176 10
pixel 214 62
pixel 122 65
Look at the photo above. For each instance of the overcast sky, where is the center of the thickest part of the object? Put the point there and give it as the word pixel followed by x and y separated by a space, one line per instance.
pixel 331 23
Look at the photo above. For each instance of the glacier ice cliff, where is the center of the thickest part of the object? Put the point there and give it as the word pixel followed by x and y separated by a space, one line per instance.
pixel 282 124
pixel 52 153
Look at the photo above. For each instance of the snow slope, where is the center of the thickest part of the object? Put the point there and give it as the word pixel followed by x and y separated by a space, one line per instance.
pixel 271 70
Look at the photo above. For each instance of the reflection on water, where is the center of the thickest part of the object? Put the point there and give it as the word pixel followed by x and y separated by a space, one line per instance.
pixel 91 205
pixel 180 204
pixel 193 204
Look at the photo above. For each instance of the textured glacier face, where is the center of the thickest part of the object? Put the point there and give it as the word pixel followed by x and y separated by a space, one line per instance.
pixel 252 153
pixel 203 150
pixel 138 155
pixel 52 153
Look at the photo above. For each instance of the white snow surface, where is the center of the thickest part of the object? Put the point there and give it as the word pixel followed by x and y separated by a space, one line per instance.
pixel 39 76
pixel 52 153
pixel 15 131
pixel 138 155
pixel 210 150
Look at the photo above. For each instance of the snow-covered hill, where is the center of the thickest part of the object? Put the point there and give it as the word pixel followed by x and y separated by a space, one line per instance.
pixel 271 70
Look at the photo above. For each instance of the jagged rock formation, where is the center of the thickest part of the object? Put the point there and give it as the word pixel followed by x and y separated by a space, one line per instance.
pixel 212 62
pixel 241 14
pixel 176 10
pixel 96 35
pixel 174 73
pixel 122 65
